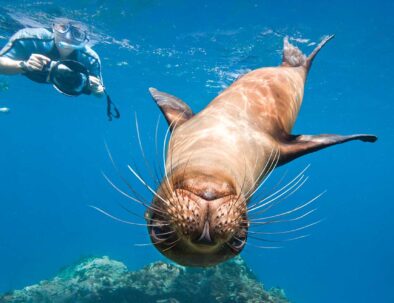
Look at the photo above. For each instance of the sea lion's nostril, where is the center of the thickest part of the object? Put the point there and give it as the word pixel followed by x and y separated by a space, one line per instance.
pixel 205 237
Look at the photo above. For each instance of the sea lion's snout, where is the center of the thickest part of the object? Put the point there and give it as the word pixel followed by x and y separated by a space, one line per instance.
pixel 198 230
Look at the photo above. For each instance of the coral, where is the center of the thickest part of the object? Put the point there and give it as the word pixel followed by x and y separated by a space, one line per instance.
pixel 103 280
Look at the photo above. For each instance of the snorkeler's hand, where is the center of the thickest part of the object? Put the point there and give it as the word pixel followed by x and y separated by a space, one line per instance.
pixel 36 62
pixel 95 86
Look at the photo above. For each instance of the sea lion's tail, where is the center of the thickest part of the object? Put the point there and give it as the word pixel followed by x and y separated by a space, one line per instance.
pixel 293 56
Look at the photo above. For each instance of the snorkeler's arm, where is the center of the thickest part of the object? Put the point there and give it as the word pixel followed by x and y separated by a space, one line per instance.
pixel 21 54
pixel 10 66
pixel 12 55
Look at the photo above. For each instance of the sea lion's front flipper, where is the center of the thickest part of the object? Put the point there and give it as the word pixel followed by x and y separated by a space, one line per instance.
pixel 297 146
pixel 174 109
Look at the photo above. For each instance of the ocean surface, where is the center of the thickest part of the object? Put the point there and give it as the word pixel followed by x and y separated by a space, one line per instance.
pixel 53 154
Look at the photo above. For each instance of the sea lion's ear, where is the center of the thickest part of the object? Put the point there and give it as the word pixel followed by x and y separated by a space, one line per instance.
pixel 174 109
pixel 297 146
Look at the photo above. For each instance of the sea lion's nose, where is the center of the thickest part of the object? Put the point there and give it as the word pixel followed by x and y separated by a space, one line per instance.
pixel 205 237
pixel 209 195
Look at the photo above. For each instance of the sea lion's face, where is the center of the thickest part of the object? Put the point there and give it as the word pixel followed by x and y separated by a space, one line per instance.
pixel 198 222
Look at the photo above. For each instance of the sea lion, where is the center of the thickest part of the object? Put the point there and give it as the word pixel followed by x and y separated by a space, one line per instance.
pixel 217 158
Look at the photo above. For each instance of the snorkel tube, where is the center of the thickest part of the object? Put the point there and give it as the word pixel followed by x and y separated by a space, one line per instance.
pixel 65 45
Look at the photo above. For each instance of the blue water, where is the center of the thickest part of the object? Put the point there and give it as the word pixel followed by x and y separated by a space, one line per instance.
pixel 53 147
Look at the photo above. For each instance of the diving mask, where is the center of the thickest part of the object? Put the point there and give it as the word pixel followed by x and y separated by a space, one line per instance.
pixel 70 35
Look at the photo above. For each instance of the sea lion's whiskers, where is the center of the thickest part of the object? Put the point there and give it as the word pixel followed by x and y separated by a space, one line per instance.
pixel 257 179
pixel 121 191
pixel 173 244
pixel 291 210
pixel 166 200
pixel 278 241
pixel 282 191
pixel 270 202
pixel 128 196
pixel 142 217
pixel 271 169
pixel 164 153
pixel 239 196
pixel 186 165
pixel 127 184
pixel 239 209
pixel 171 154
pixel 147 186
pixel 261 194
pixel 159 171
pixel 263 171
pixel 284 231
pixel 166 190
pixel 183 175
pixel 167 233
pixel 243 184
pixel 233 249
pixel 120 175
pixel 171 163
pixel 282 221
pixel 147 244
pixel 156 148
pixel 155 242
pixel 150 243
pixel 192 189
pixel 141 180
pixel 121 220
pixel 300 175
pixel 166 184
pixel 263 247
pixel 147 165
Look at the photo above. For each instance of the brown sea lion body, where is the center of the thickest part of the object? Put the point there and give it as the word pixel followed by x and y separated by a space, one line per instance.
pixel 217 158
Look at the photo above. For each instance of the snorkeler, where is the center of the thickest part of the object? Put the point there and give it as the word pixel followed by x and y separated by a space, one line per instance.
pixel 60 57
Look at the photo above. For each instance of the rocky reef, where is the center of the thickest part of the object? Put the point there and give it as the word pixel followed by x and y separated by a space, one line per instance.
pixel 102 280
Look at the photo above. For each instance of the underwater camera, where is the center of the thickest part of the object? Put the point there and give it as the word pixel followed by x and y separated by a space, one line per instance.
pixel 70 78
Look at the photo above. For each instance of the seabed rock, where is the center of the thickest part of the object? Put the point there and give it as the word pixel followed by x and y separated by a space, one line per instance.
pixel 102 280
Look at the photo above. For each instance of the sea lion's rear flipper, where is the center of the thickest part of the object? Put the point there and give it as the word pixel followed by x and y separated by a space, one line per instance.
pixel 293 56
pixel 174 109
pixel 297 146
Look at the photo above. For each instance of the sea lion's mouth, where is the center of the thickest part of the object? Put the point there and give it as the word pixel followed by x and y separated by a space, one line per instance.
pixel 195 231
